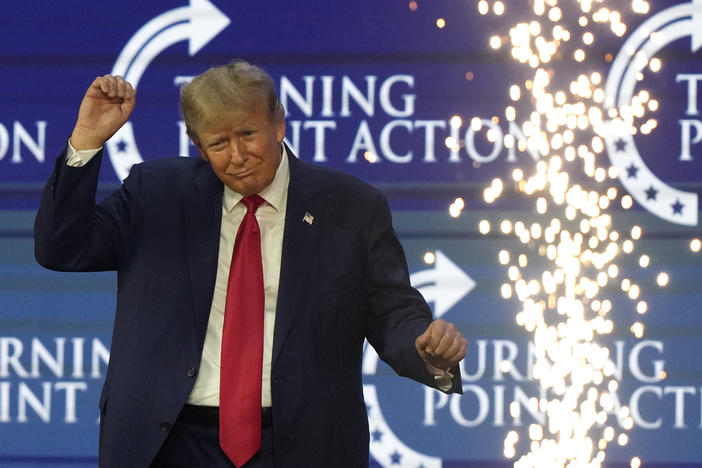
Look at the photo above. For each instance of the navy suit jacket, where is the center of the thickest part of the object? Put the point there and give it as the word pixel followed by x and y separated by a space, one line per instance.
pixel 343 278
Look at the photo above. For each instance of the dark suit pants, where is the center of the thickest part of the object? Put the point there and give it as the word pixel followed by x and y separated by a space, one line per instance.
pixel 194 442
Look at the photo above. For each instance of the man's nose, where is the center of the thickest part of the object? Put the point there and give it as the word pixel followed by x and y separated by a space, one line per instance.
pixel 237 153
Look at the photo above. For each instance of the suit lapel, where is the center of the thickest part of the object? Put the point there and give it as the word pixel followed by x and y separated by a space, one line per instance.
pixel 299 240
pixel 202 218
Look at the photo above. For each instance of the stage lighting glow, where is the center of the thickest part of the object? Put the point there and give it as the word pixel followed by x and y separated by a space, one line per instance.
pixel 371 157
pixel 662 279
pixel 429 258
pixel 456 207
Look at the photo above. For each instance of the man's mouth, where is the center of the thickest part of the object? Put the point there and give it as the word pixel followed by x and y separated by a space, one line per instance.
pixel 241 173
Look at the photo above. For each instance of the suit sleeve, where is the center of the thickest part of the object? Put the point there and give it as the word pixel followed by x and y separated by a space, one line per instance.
pixel 398 313
pixel 71 232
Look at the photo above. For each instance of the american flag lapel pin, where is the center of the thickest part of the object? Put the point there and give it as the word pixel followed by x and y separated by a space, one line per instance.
pixel 308 218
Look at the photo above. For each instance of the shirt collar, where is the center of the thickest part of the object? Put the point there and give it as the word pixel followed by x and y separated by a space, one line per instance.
pixel 275 194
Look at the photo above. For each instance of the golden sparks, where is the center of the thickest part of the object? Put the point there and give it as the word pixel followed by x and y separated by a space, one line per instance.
pixel 573 234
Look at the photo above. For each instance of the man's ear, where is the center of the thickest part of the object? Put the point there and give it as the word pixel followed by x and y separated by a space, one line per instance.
pixel 199 149
pixel 280 130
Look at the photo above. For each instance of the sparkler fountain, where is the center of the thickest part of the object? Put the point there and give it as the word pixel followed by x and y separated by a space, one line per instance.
pixel 569 255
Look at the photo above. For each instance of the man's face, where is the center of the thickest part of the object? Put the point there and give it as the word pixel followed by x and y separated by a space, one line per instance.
pixel 244 149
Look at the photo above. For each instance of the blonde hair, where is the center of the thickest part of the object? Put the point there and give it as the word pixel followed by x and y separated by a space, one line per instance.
pixel 228 89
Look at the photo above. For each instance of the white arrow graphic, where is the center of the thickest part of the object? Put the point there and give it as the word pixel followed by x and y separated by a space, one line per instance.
pixel 198 23
pixel 444 285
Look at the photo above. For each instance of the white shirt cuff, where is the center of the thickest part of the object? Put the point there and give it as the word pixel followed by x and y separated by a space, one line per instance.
pixel 75 158
pixel 443 378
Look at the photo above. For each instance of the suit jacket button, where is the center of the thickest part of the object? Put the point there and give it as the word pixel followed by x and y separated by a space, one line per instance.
pixel 165 426
pixel 191 373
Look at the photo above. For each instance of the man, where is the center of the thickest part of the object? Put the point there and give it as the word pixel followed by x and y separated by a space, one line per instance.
pixel 247 282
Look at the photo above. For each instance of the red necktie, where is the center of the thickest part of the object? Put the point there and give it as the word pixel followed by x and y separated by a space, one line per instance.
pixel 242 344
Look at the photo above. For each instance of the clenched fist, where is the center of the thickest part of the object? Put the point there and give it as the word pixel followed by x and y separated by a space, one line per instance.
pixel 106 106
pixel 441 345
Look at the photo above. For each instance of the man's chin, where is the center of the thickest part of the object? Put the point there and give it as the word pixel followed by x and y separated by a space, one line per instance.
pixel 244 189
pixel 248 185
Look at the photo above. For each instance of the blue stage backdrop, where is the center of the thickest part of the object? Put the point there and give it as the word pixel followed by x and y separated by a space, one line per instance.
pixel 373 88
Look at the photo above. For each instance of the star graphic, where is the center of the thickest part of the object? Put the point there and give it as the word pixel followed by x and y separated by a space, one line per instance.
pixel 395 458
pixel 620 144
pixel 121 146
pixel 677 207
pixel 651 193
pixel 377 435
pixel 632 171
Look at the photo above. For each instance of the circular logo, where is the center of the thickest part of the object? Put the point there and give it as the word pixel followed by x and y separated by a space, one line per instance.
pixel 642 184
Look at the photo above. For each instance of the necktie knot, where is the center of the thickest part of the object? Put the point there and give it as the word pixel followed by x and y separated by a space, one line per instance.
pixel 252 203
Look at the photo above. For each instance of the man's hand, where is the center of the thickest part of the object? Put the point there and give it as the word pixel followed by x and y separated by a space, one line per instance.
pixel 105 108
pixel 441 345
